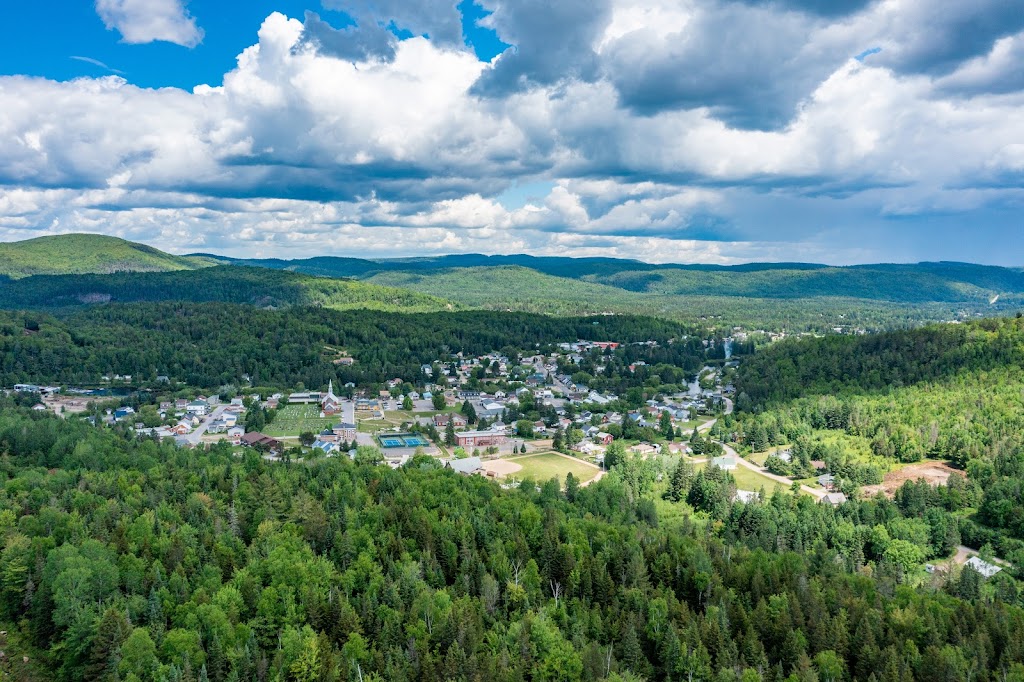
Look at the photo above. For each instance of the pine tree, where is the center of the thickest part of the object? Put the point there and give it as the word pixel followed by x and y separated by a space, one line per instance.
pixel 449 432
pixel 572 486
pixel 679 484
pixel 111 631
pixel 665 425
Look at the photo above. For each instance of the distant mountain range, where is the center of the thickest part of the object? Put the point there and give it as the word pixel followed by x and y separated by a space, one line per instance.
pixel 774 295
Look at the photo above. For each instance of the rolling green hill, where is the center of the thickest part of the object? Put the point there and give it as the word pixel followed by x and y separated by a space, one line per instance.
pixel 228 284
pixel 85 253
pixel 794 296
pixel 775 296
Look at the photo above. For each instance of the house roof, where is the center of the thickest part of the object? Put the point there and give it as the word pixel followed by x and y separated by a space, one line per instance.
pixel 981 566
pixel 465 466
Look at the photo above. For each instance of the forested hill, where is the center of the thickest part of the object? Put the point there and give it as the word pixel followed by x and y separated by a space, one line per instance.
pixel 85 253
pixel 125 559
pixel 229 284
pixel 879 362
pixel 920 282
pixel 774 296
pixel 213 344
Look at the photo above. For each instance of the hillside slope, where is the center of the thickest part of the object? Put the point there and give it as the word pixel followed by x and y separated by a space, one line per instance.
pixel 85 253
pixel 228 284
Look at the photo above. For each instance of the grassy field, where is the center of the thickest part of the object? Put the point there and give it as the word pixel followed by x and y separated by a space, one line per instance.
pixel 759 458
pixel 751 480
pixel 291 420
pixel 544 467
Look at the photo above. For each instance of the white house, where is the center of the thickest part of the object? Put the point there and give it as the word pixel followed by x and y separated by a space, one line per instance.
pixel 983 567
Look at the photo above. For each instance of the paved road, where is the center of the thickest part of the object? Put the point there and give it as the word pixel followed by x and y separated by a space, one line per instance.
pixel 816 492
pixel 707 425
pixel 197 435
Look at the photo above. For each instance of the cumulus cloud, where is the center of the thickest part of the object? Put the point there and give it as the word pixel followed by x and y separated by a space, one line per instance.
pixel 145 21
pixel 552 41
pixel 354 43
pixel 742 127
pixel 438 19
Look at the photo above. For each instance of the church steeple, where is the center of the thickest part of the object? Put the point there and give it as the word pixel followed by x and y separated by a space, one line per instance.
pixel 330 389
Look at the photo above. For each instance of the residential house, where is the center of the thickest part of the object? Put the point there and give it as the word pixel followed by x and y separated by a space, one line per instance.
pixel 255 438
pixel 827 481
pixel 604 438
pixel 119 414
pixel 983 567
pixel 329 447
pixel 441 420
pixel 645 449
pixel 725 463
pixel 678 448
pixel 197 407
pixel 835 499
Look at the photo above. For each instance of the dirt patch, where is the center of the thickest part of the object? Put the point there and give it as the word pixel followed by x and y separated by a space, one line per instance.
pixel 935 473
pixel 500 468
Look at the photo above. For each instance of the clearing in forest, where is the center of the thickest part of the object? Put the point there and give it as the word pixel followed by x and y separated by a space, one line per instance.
pixel 935 473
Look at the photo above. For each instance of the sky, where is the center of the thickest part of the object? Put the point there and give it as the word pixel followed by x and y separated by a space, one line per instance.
pixel 716 131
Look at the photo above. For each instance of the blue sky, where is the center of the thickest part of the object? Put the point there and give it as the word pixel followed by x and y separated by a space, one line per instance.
pixel 228 28
pixel 665 130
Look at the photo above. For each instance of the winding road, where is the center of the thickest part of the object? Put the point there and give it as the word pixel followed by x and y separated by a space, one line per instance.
pixel 817 493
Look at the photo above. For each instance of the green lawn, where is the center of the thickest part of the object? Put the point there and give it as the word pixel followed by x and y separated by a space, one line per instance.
pixel 291 420
pixel 752 480
pixel 759 458
pixel 544 467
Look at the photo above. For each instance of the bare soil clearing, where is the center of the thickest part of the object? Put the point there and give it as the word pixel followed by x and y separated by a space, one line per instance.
pixel 935 473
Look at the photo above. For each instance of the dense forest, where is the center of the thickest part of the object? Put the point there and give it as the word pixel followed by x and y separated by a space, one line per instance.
pixel 226 284
pixel 213 344
pixel 128 560
pixel 878 362
pixel 953 393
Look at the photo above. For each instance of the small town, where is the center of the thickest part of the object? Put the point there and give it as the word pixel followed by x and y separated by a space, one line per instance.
pixel 473 413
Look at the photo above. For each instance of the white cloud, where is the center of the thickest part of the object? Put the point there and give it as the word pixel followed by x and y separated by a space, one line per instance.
pixel 300 147
pixel 145 21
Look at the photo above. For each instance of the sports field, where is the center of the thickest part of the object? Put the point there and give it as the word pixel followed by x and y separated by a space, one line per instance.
pixel 402 440
pixel 550 465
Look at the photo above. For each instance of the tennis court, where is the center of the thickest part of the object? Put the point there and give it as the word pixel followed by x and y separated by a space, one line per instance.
pixel 402 440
